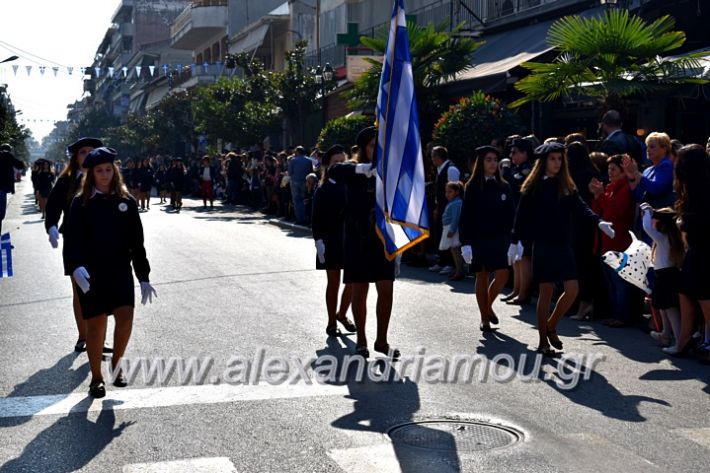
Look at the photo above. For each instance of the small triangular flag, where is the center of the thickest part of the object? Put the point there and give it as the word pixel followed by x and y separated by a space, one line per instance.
pixel 193 69
pixel 29 69
pixel 206 67
pixel 152 70
pixel 98 71
pixel 83 71
pixel 14 68
pixel 70 70
pixel 138 71
pixel 55 70
pixel 42 69
pixel 125 71
pixel 110 71
pixel 165 69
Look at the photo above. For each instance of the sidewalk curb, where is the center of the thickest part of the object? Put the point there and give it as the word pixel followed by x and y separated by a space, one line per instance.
pixel 289 225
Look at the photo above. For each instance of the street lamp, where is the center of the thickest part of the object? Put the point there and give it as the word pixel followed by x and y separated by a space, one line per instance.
pixel 610 3
pixel 10 59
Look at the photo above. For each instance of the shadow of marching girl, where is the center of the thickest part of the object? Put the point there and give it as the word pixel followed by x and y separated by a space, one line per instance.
pixel 105 237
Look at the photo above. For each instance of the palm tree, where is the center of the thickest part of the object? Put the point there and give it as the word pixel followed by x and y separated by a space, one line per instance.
pixel 437 55
pixel 609 58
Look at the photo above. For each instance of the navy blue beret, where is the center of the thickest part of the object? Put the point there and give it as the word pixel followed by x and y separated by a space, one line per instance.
pixel 481 151
pixel 365 136
pixel 333 150
pixel 82 142
pixel 547 148
pixel 100 155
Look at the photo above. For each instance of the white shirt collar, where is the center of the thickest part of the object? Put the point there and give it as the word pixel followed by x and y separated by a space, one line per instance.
pixel 331 181
pixel 96 191
pixel 489 178
pixel 439 168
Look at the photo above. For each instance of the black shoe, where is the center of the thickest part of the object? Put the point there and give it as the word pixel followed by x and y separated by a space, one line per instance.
pixel 120 380
pixel 80 346
pixel 107 350
pixel 363 352
pixel 97 389
pixel 386 350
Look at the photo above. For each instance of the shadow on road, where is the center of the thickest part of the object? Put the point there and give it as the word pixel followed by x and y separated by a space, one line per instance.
pixel 71 442
pixel 57 379
pixel 383 404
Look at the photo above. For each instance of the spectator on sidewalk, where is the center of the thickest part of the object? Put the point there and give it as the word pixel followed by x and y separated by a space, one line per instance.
pixel 299 166
pixel 8 164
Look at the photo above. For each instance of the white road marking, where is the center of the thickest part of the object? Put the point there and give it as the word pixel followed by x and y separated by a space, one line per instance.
pixel 700 436
pixel 194 465
pixel 121 399
pixel 383 459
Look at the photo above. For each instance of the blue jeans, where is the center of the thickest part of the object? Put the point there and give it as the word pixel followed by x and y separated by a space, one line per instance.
pixel 618 295
pixel 298 194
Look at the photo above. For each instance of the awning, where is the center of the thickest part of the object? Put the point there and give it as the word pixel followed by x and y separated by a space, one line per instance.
pixel 251 41
pixel 505 51
pixel 156 95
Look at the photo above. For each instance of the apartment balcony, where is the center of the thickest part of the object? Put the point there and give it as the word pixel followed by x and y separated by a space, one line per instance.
pixel 199 22
pixel 124 10
pixel 127 29
pixel 497 12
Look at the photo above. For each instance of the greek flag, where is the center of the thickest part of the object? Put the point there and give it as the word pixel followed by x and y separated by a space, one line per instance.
pixel 401 210
pixel 5 256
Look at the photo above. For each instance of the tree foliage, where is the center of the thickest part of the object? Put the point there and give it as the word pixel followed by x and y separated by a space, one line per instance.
pixel 240 110
pixel 437 56
pixel 472 122
pixel 343 131
pixel 607 58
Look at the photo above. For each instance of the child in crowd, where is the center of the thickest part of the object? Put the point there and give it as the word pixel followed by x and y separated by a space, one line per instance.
pixel 668 253
pixel 450 220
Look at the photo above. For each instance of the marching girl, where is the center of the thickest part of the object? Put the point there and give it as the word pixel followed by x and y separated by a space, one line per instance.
pixel 161 181
pixel 692 174
pixel 58 203
pixel 365 260
pixel 327 224
pixel 145 183
pixel 44 182
pixel 176 175
pixel 131 177
pixel 521 157
pixel 105 238
pixel 548 200
pixel 668 252
pixel 486 221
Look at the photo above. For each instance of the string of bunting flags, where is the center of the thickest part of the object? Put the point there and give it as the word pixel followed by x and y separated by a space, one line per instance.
pixel 136 72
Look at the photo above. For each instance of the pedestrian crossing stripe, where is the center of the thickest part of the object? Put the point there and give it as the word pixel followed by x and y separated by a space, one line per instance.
pixel 123 399
pixel 193 465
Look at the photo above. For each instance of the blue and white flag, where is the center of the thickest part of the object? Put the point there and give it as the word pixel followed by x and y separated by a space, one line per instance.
pixel 5 256
pixel 401 211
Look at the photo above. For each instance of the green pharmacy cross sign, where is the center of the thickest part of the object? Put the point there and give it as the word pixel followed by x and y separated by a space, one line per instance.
pixel 351 39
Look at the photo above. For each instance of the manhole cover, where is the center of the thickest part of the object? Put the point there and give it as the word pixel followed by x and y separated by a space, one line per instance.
pixel 454 436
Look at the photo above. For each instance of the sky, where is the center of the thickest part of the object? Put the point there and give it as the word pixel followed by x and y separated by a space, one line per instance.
pixel 58 33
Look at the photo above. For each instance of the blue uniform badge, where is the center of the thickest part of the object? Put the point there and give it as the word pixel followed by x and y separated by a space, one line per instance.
pixel 5 256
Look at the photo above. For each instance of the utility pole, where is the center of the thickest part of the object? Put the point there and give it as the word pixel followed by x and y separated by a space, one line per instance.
pixel 318 30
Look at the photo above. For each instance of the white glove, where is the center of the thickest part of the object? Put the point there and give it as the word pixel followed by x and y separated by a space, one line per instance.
pixel 646 208
pixel 607 229
pixel 366 169
pixel 81 278
pixel 467 253
pixel 320 249
pixel 521 251
pixel 397 265
pixel 513 254
pixel 147 293
pixel 54 236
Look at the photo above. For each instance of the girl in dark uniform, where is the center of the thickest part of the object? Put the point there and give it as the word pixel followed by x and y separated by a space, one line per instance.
pixel 131 177
pixel 105 217
pixel 548 201
pixel 521 157
pixel 45 181
pixel 58 203
pixel 327 224
pixel 365 260
pixel 692 174
pixel 177 183
pixel 486 221
pixel 161 182
pixel 145 184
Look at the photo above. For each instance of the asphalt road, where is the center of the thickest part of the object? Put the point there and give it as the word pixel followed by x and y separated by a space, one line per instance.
pixel 233 288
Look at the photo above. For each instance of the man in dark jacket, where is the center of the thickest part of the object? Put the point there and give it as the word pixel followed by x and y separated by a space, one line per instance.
pixel 8 164
pixel 616 141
